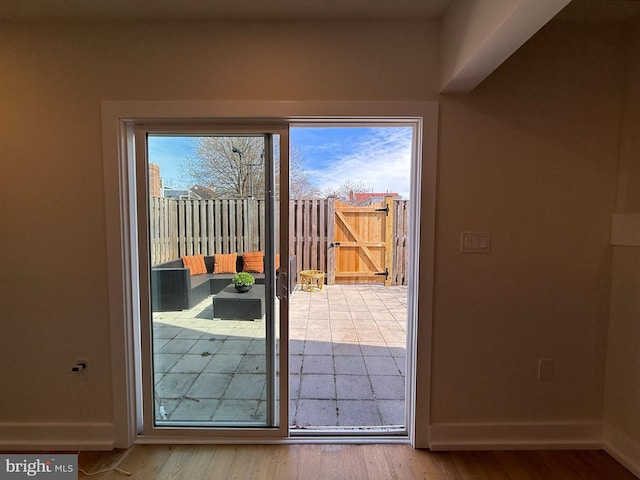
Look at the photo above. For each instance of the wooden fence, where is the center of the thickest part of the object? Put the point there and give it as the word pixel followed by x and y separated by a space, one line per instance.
pixel 188 227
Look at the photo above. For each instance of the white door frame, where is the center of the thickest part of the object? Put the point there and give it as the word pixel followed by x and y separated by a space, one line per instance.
pixel 118 122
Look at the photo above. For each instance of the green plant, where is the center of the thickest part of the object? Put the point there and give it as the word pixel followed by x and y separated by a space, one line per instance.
pixel 243 279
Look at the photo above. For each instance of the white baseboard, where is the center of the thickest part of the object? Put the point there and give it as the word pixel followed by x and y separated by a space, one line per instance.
pixel 623 448
pixel 515 436
pixel 56 436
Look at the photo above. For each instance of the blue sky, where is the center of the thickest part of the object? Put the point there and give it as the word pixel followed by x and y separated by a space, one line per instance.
pixel 379 157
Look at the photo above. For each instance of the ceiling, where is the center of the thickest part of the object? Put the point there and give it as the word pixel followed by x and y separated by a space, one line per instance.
pixel 220 9
pixel 604 10
pixel 609 10
pixel 476 35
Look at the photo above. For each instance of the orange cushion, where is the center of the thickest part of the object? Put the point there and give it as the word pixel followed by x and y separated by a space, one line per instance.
pixel 277 261
pixel 225 262
pixel 253 262
pixel 195 263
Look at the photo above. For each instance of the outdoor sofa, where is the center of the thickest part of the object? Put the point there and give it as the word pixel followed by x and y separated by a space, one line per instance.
pixel 173 288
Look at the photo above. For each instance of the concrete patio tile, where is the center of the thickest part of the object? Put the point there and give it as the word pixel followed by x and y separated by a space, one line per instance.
pixel 253 364
pixel 361 315
pixel 297 333
pixel 205 346
pixel 382 315
pixel 377 365
pixel 388 387
pixel 166 331
pixel 322 325
pixel 174 385
pixel 237 410
pixel 191 364
pixel 364 325
pixel 353 387
pixel 370 336
pixel 177 346
pixel 393 337
pixel 158 343
pixel 374 350
pixel 336 307
pixel 312 347
pixel 345 335
pixel 223 363
pixel 392 412
pixel 294 386
pixel 245 386
pixel 320 335
pixel 316 413
pixel 209 385
pixel 349 365
pixel 317 386
pixel 339 314
pixel 234 347
pixel 341 323
pixel 358 413
pixel 169 405
pixel 318 324
pixel 398 349
pixel 257 346
pixel 317 364
pixel 347 349
pixel 249 331
pixel 296 347
pixel 190 410
pixel 163 362
pixel 295 363
pixel 401 363
pixel 357 304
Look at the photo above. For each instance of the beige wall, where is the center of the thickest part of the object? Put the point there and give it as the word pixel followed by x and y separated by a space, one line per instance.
pixel 52 80
pixel 622 392
pixel 530 156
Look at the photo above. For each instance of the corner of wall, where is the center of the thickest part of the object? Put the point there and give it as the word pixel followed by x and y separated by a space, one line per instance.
pixel 622 448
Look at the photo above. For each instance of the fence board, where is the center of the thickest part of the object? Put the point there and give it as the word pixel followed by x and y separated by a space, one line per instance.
pixel 185 227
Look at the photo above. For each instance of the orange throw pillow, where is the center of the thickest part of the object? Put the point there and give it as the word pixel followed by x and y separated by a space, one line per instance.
pixel 225 262
pixel 195 263
pixel 253 262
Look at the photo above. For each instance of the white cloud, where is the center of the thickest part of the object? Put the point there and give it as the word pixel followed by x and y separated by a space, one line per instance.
pixel 381 161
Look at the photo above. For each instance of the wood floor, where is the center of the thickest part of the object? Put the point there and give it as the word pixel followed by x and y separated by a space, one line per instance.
pixel 334 462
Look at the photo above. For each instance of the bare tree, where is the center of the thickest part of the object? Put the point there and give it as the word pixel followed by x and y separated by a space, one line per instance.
pixel 233 167
pixel 344 192
pixel 300 185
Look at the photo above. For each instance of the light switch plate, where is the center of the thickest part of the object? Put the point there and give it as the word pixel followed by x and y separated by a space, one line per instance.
pixel 475 242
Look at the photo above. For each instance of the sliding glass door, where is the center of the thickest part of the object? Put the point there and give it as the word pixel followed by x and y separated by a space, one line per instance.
pixel 214 279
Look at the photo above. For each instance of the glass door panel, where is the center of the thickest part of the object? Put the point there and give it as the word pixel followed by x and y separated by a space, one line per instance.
pixel 212 338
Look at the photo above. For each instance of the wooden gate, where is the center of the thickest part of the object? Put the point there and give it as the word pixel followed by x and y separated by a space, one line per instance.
pixel 362 246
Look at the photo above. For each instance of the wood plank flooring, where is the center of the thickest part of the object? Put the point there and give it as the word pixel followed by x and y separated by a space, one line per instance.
pixel 336 462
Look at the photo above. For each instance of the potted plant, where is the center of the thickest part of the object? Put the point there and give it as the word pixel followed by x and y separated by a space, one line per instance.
pixel 243 281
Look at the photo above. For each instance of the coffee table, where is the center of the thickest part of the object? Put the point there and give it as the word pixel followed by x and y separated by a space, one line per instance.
pixel 230 304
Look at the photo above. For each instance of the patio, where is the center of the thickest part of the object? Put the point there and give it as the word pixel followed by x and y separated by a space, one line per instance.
pixel 347 361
